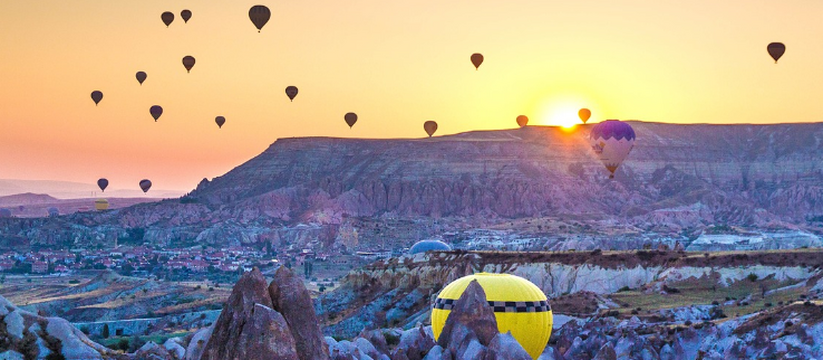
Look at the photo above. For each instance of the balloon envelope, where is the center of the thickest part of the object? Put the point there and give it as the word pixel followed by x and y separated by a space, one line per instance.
pixel 350 118
pixel 101 204
pixel 53 212
pixel 429 245
pixel 584 114
pixel 430 127
pixel 156 111
pixel 259 15
pixel 522 120
pixel 220 121
pixel 96 95
pixel 611 141
pixel 103 183
pixel 188 62
pixel 167 18
pixel 519 307
pixel 477 59
pixel 776 50
pixel 145 185
pixel 291 92
pixel 141 76
pixel 186 15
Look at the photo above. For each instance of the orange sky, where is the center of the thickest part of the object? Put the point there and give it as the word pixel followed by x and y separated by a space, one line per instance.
pixel 394 63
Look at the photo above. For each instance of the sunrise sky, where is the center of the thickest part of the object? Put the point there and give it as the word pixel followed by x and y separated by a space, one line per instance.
pixel 394 63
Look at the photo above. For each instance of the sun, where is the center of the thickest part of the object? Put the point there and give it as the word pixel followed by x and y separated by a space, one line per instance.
pixel 563 111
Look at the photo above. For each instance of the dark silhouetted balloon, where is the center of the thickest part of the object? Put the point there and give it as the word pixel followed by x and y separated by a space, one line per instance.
pixel 188 62
pixel 96 95
pixel 145 185
pixel 522 120
pixel 186 15
pixel 584 114
pixel 291 92
pixel 103 183
pixel 220 121
pixel 259 15
pixel 156 111
pixel 350 118
pixel 477 59
pixel 167 18
pixel 776 50
pixel 430 127
pixel 53 212
pixel 141 76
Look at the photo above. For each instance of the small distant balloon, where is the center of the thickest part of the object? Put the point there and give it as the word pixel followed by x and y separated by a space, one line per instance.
pixel 186 15
pixel 477 59
pixel 167 18
pixel 53 212
pixel 96 95
pixel 141 76
pixel 145 185
pixel 522 120
pixel 156 111
pixel 350 118
pixel 291 92
pixel 584 114
pixel 776 50
pixel 103 183
pixel 188 62
pixel 430 127
pixel 220 121
pixel 259 15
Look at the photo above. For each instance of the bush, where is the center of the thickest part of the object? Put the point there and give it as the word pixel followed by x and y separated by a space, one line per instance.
pixel 392 339
pixel 752 277
pixel 625 288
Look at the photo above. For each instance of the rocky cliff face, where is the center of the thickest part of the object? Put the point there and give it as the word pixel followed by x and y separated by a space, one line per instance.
pixel 677 177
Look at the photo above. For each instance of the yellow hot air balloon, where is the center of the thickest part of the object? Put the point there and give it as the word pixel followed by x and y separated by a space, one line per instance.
pixel 519 307
pixel 101 204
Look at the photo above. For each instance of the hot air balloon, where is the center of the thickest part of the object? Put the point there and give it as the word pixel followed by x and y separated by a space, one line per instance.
pixel 141 76
pixel 522 120
pixel 101 204
pixel 259 15
pixel 96 95
pixel 186 15
pixel 103 183
pixel 350 118
pixel 477 59
pixel 776 50
pixel 220 121
pixel 612 140
pixel 188 62
pixel 291 92
pixel 53 212
pixel 167 18
pixel 156 111
pixel 519 307
pixel 429 245
pixel 430 127
pixel 145 185
pixel 584 114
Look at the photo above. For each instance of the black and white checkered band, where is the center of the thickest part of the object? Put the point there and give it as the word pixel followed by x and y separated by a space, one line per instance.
pixel 501 306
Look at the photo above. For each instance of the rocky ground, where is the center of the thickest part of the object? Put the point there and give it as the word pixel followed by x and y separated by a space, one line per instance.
pixel 277 319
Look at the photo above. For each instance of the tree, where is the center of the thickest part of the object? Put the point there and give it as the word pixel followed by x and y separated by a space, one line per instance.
pixel 105 333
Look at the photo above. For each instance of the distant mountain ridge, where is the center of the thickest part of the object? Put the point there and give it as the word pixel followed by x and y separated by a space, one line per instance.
pixel 331 190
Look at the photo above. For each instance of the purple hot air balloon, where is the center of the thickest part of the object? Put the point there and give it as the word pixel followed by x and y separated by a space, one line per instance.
pixel 145 185
pixel 156 111
pixel 611 141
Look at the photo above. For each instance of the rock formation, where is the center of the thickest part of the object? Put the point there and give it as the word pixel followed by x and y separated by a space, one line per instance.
pixel 24 335
pixel 250 328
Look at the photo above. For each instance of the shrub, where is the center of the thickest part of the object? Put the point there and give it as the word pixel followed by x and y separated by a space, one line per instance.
pixel 752 277
pixel 392 339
